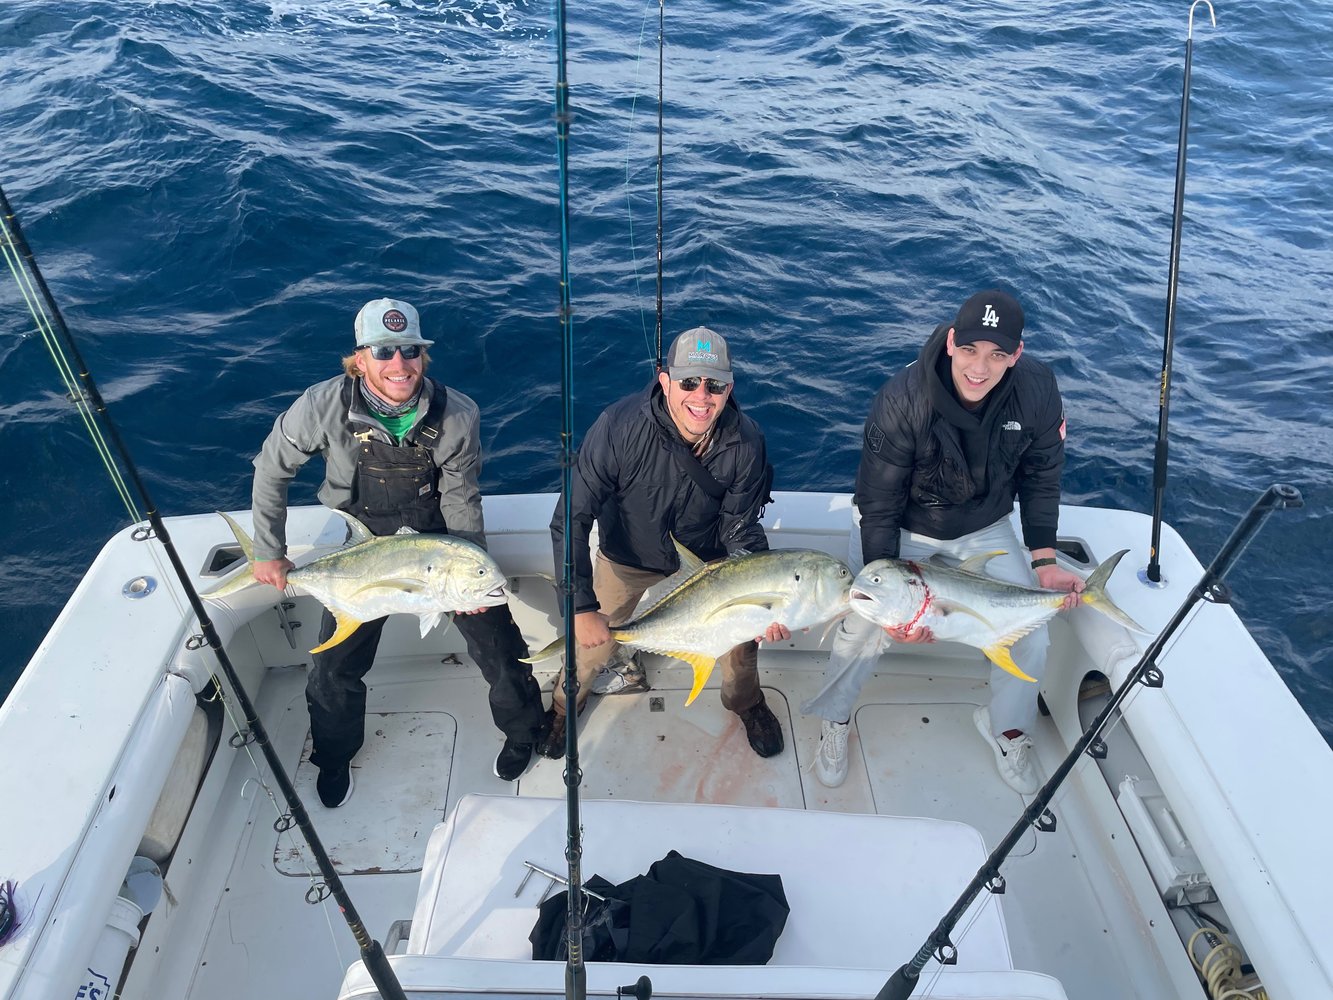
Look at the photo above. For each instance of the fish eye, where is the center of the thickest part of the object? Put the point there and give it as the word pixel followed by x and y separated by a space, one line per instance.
pixel 876 578
pixel 481 571
pixel 798 577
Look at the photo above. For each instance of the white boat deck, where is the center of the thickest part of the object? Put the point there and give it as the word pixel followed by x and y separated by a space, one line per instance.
pixel 430 741
pixel 118 677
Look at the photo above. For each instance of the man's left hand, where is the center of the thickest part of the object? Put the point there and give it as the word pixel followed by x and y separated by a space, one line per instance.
pixel 1055 578
pixel 475 611
pixel 774 633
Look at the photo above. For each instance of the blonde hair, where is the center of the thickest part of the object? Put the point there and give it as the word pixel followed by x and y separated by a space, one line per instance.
pixel 352 371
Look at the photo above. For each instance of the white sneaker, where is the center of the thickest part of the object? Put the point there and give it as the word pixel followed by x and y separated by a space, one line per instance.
pixel 831 760
pixel 1013 758
pixel 623 675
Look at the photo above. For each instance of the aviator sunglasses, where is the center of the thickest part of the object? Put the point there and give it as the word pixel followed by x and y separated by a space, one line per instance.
pixel 714 387
pixel 380 352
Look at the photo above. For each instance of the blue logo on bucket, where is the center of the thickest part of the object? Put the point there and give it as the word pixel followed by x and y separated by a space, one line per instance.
pixel 97 987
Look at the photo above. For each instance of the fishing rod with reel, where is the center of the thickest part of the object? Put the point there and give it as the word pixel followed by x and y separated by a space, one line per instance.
pixel 1147 672
pixel 89 400
pixel 661 24
pixel 1152 573
pixel 576 972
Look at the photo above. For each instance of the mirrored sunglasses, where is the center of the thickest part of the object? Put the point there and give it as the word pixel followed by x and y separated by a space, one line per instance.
pixel 382 352
pixel 714 387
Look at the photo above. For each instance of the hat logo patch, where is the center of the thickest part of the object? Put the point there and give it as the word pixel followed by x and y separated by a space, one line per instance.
pixel 703 351
pixel 394 321
pixel 990 317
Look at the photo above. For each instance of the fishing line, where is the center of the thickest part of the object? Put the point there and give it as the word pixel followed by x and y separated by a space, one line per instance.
pixel 654 350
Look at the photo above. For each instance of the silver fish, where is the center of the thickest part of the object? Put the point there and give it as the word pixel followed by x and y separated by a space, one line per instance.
pixel 429 576
pixel 963 605
pixel 722 604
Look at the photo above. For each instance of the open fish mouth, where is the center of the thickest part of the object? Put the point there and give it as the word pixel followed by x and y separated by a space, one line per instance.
pixel 498 592
pixel 859 595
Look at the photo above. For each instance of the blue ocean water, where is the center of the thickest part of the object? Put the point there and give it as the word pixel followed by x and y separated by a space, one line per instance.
pixel 214 188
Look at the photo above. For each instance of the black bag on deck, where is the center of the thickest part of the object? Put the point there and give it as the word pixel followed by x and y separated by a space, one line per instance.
pixel 683 912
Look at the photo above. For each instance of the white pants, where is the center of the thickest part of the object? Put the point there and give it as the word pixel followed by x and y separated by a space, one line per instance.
pixel 858 642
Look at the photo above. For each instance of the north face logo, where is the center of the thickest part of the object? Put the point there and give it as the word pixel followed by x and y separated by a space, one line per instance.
pixel 990 317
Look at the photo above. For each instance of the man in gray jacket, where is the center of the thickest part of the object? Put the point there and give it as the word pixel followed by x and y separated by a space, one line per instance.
pixel 400 450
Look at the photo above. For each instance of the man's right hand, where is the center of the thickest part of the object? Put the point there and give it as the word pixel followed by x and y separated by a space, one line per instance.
pixel 273 571
pixel 902 633
pixel 591 628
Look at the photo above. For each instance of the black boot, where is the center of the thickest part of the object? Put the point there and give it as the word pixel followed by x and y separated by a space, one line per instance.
pixel 762 729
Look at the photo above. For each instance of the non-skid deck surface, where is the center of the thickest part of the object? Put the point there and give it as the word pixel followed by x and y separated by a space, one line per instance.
pixel 900 765
pixel 401 786
pixel 651 747
pixel 929 760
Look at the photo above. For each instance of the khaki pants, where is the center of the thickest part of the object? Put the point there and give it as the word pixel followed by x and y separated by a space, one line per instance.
pixel 619 590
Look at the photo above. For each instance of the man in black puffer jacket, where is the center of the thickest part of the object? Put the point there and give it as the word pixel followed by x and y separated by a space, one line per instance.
pixel 951 440
pixel 677 459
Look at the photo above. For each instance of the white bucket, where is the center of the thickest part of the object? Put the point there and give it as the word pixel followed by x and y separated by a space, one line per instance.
pixel 108 959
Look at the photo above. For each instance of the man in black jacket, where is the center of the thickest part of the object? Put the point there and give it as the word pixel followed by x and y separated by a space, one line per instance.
pixel 949 443
pixel 681 460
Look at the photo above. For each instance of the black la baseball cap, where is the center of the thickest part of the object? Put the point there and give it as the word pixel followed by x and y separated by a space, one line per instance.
pixel 990 315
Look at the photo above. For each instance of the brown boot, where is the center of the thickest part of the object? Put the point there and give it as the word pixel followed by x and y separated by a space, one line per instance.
pixel 552 745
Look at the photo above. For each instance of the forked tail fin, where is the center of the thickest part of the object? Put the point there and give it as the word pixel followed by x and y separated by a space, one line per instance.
pixel 245 577
pixel 1094 594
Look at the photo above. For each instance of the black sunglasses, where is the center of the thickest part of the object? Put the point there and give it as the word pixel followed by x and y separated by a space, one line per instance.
pixel 714 387
pixel 381 352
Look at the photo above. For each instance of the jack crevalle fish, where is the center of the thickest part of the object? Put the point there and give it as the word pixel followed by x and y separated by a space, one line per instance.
pixel 963 605
pixel 722 604
pixel 429 576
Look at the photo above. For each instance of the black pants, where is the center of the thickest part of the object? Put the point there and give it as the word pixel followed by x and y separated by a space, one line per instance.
pixel 336 695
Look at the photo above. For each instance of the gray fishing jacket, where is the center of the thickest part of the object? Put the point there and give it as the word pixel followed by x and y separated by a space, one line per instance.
pixel 914 472
pixel 320 422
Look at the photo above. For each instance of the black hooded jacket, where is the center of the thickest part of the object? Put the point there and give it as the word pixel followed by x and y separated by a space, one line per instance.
pixel 915 471
pixel 630 478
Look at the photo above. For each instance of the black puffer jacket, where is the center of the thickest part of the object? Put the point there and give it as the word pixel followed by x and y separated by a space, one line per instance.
pixel 630 481
pixel 914 472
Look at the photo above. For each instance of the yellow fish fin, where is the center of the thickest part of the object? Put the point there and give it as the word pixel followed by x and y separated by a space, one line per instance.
pixel 546 652
pixel 356 531
pixel 689 562
pixel 999 655
pixel 346 626
pixel 703 667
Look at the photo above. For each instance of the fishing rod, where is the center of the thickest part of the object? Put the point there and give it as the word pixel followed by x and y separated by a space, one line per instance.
pixel 372 954
pixel 1153 572
pixel 576 972
pixel 661 20
pixel 1146 672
